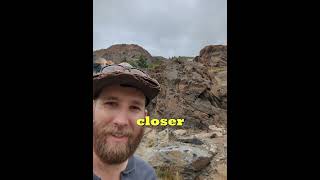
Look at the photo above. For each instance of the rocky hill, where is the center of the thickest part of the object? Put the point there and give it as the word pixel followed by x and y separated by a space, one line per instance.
pixel 194 89
pixel 123 53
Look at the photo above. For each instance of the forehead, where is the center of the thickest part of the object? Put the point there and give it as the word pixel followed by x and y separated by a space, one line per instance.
pixel 122 92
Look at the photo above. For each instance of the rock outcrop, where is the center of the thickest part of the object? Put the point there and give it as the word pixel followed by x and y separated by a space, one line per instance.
pixel 194 90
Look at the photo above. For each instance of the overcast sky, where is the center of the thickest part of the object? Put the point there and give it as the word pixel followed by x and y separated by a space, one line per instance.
pixel 163 27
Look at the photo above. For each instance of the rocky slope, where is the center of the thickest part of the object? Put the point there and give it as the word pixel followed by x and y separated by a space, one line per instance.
pixel 195 90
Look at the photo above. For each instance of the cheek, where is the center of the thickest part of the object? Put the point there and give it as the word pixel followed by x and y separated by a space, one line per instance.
pixel 102 116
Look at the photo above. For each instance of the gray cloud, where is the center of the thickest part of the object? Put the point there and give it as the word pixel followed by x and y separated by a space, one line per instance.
pixel 163 27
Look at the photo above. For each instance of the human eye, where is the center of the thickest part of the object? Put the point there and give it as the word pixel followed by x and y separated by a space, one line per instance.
pixel 135 108
pixel 111 103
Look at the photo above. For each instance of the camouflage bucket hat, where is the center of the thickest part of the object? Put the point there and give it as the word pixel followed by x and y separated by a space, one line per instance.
pixel 125 74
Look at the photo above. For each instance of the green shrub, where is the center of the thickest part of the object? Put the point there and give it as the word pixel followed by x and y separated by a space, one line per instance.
pixel 142 62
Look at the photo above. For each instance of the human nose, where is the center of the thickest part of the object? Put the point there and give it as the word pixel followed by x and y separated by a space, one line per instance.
pixel 121 119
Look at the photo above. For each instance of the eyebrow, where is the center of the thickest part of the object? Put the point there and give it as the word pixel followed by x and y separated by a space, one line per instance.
pixel 110 98
pixel 113 98
pixel 136 102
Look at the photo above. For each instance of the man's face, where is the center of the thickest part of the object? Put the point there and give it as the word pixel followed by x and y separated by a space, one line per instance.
pixel 116 135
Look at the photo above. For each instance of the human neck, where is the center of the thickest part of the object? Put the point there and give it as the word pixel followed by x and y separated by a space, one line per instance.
pixel 107 171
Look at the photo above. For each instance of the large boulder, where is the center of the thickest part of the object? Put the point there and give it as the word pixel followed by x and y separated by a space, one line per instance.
pixel 184 159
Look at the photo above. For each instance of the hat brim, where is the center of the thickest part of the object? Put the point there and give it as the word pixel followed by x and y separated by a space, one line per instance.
pixel 149 88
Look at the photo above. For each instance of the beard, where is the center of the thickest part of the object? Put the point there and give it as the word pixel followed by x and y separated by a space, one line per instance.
pixel 111 152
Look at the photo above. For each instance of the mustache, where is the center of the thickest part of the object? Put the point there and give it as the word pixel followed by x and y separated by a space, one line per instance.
pixel 117 131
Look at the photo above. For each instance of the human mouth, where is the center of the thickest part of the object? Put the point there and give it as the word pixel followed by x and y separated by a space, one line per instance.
pixel 119 137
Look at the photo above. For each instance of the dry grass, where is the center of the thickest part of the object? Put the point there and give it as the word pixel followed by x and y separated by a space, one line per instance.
pixel 216 69
pixel 168 173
